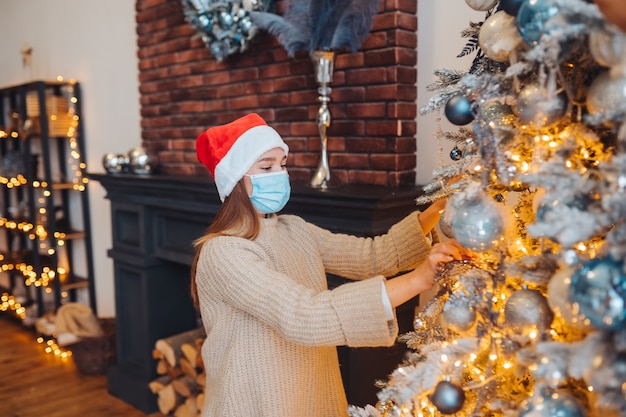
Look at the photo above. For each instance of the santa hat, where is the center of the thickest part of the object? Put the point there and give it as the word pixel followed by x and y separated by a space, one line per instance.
pixel 230 150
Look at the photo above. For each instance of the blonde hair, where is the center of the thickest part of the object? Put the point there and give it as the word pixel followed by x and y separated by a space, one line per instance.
pixel 236 217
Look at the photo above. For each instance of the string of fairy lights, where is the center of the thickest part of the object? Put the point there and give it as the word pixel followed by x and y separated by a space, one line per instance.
pixel 35 228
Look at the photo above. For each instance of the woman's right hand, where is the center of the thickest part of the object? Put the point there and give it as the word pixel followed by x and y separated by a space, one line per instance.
pixel 422 278
pixel 447 251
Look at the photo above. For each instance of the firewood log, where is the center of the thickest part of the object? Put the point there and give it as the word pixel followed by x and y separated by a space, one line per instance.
pixel 186 386
pixel 159 383
pixel 190 352
pixel 200 400
pixel 170 347
pixel 187 368
pixel 168 399
pixel 192 405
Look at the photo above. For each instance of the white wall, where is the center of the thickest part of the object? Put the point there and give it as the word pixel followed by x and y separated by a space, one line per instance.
pixel 93 42
pixel 440 23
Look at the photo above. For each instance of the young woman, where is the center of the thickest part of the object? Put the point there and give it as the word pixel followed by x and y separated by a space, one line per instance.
pixel 259 281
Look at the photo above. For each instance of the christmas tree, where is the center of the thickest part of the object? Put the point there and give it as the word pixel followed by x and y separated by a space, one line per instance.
pixel 534 324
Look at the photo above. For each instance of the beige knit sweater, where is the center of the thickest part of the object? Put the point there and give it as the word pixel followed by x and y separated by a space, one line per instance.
pixel 272 324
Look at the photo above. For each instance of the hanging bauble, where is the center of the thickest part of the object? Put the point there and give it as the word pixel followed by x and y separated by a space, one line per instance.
pixel 538 108
pixel 481 5
pixel 555 404
pixel 498 36
pixel 606 93
pixel 511 6
pixel 598 291
pixel 528 310
pixel 115 163
pixel 496 114
pixel 448 398
pixel 456 153
pixel 444 226
pixel 532 19
pixel 459 314
pixel 458 110
pixel 558 300
pixel 607 47
pixel 476 222
pixel 608 372
pixel 389 409
pixel 140 162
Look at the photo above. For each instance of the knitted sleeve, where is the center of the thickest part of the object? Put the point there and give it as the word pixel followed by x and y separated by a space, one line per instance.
pixel 402 248
pixel 233 272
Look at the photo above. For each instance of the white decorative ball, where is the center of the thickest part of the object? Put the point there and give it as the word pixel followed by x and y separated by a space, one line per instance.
pixel 481 5
pixel 499 36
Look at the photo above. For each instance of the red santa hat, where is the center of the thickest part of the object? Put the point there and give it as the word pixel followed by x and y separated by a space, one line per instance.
pixel 230 150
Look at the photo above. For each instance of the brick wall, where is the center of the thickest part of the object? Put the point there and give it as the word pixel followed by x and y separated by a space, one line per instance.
pixel 372 136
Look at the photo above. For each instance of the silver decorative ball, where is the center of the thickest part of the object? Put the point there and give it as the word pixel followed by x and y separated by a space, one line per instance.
pixel 606 93
pixel 140 162
pixel 448 397
pixel 115 163
pixel 537 108
pixel 476 224
pixel 459 314
pixel 526 310
pixel 558 288
pixel 607 47
pixel 555 404
pixel 598 291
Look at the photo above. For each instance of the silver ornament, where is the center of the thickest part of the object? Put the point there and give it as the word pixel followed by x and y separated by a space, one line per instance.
pixel 558 289
pixel 606 93
pixel 553 404
pixel 598 291
pixel 496 114
pixel 526 310
pixel 140 162
pixel 476 223
pixel 115 163
pixel 607 47
pixel 536 107
pixel 459 314
pixel 448 398
pixel 499 36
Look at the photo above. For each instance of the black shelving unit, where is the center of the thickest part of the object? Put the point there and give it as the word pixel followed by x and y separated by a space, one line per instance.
pixel 47 256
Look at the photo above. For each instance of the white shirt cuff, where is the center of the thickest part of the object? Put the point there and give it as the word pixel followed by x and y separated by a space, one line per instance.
pixel 387 303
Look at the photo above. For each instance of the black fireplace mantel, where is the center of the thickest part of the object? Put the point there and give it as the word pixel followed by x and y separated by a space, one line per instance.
pixel 155 219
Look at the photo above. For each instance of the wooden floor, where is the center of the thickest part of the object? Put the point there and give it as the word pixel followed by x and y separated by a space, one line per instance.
pixel 36 384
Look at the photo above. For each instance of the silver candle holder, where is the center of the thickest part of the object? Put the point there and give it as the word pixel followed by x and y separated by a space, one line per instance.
pixel 324 67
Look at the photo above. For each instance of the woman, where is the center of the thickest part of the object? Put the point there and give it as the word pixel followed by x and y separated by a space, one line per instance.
pixel 259 281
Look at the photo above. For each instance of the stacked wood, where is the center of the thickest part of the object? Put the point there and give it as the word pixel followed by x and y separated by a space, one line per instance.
pixel 180 385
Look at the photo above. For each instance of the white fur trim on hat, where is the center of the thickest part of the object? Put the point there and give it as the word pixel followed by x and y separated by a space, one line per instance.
pixel 249 147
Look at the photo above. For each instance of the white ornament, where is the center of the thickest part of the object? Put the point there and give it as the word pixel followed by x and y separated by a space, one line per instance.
pixel 499 36
pixel 481 5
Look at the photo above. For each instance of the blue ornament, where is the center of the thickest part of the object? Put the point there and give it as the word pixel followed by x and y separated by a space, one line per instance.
pixel 511 7
pixel 555 404
pixel 532 18
pixel 458 110
pixel 205 22
pixel 448 397
pixel 598 291
pixel 456 154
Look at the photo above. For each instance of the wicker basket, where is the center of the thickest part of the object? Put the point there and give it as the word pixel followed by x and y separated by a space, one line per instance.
pixel 93 355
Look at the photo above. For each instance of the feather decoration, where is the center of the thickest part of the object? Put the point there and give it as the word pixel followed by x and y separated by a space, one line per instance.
pixel 320 25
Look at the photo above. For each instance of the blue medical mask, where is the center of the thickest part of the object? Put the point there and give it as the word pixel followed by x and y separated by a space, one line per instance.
pixel 270 192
